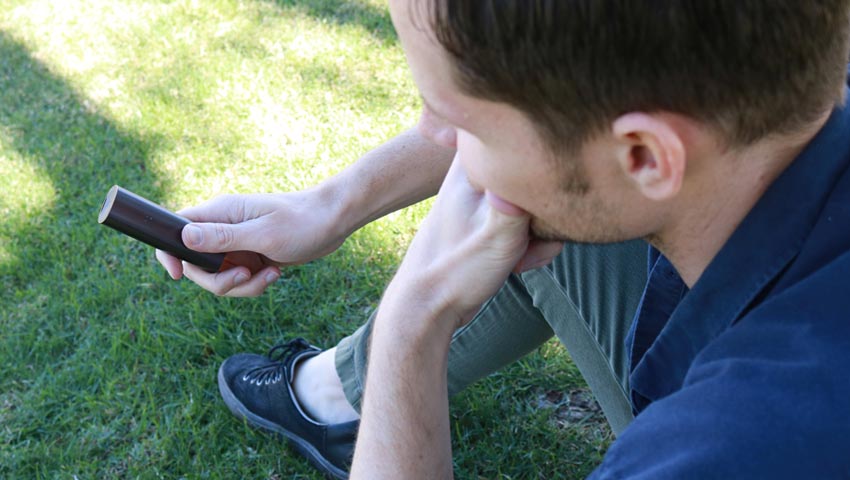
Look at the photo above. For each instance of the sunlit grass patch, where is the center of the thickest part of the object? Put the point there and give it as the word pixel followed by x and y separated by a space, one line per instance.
pixel 25 190
pixel 26 194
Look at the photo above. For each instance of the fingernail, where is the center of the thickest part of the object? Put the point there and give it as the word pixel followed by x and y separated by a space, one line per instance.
pixel 271 277
pixel 194 235
pixel 240 278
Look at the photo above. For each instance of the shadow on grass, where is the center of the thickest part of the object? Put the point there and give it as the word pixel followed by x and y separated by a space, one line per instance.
pixel 59 251
pixel 80 151
pixel 346 12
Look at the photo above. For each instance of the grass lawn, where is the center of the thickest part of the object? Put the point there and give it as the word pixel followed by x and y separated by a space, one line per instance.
pixel 108 367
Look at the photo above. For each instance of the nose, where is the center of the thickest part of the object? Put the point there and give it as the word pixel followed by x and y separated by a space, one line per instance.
pixel 436 129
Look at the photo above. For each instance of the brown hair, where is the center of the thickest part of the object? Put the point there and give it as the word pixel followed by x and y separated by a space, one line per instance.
pixel 750 68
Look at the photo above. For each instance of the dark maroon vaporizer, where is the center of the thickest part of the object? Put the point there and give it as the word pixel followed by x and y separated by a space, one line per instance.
pixel 148 222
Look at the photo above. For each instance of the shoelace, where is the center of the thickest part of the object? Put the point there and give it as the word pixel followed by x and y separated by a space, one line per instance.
pixel 280 356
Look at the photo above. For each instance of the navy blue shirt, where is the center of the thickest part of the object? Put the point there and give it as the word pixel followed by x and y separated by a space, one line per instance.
pixel 747 375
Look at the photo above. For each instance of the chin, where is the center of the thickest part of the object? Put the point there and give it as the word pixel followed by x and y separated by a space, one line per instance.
pixel 595 232
pixel 540 230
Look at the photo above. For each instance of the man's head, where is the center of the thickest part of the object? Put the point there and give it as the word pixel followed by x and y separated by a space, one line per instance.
pixel 582 82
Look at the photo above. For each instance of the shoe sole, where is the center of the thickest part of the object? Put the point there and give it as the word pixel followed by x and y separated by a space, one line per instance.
pixel 303 446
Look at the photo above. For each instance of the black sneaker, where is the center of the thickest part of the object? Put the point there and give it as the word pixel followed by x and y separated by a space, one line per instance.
pixel 259 389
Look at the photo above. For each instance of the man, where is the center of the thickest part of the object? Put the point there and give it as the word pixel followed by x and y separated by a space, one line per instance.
pixel 714 130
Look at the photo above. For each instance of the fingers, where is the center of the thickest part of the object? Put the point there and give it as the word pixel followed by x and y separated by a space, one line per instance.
pixel 224 209
pixel 503 206
pixel 240 233
pixel 539 253
pixel 227 223
pixel 510 225
pixel 172 265
pixel 235 282
pixel 222 237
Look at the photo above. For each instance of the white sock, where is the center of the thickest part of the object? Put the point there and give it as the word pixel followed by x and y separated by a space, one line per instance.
pixel 318 390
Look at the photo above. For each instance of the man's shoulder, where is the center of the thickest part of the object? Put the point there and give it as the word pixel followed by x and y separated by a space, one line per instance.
pixel 804 312
pixel 818 279
pixel 775 382
pixel 793 342
pixel 766 399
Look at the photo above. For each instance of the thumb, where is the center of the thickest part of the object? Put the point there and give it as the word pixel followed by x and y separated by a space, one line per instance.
pixel 507 212
pixel 217 237
pixel 511 222
pixel 538 254
pixel 503 205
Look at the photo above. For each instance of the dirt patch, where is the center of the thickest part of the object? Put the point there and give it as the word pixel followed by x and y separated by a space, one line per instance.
pixel 571 408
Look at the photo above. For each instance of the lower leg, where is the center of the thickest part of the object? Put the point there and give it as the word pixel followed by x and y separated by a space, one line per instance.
pixel 505 329
pixel 329 386
pixel 319 390
pixel 589 296
pixel 590 288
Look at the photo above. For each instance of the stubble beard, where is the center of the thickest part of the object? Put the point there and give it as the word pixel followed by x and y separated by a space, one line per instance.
pixel 588 218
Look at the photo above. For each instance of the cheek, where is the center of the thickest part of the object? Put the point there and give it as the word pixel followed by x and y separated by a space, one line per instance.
pixel 471 155
pixel 484 170
pixel 517 181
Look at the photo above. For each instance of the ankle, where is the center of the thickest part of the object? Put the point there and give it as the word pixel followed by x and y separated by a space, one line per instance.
pixel 319 391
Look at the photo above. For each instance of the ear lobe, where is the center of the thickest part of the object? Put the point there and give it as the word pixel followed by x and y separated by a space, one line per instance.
pixel 654 154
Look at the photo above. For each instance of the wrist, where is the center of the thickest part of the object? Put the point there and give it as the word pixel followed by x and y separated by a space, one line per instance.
pixel 409 335
pixel 403 171
pixel 337 201
pixel 416 312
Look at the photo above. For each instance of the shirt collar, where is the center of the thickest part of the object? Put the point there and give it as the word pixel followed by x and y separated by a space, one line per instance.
pixel 767 240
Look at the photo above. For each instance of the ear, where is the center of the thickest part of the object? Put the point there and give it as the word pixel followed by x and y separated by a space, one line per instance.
pixel 654 154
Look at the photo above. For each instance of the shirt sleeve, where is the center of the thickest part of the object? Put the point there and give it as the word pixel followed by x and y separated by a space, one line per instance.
pixel 769 398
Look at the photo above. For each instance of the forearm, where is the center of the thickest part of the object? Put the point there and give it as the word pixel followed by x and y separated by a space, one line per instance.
pixel 401 172
pixel 404 432
pixel 461 255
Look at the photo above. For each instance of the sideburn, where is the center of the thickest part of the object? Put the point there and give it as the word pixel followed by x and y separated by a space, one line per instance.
pixel 573 178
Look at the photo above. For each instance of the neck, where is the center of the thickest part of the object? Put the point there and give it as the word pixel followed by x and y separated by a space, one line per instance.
pixel 725 187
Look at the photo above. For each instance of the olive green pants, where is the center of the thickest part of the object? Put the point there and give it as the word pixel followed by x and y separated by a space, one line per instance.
pixel 587 297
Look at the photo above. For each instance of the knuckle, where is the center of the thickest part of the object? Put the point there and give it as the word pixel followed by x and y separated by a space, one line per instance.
pixel 234 206
pixel 266 243
pixel 223 235
pixel 262 238
pixel 219 290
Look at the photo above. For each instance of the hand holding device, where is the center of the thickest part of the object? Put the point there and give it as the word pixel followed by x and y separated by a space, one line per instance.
pixel 265 231
pixel 152 224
